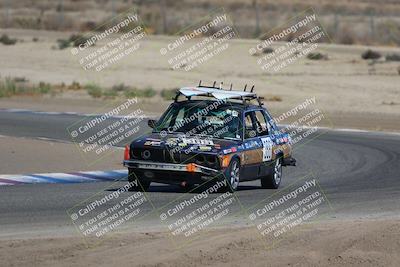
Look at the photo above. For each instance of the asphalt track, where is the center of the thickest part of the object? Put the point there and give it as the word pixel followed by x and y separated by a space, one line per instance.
pixel 358 171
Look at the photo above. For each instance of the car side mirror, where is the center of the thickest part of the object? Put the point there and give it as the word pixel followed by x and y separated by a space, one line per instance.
pixel 151 123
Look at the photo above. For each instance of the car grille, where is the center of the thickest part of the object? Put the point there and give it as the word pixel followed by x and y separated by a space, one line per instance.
pixel 161 155
pixel 152 154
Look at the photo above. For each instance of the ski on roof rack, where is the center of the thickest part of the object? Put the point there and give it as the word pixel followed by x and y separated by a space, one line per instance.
pixel 218 93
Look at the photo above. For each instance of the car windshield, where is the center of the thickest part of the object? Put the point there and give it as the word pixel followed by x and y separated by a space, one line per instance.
pixel 213 119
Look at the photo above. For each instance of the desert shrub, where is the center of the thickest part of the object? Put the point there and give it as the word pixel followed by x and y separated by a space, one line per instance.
pixel 110 93
pixel 35 39
pixel 148 92
pixel 20 79
pixel 131 93
pixel 19 86
pixel 393 57
pixel 88 26
pixel 274 98
pixel 268 50
pixel 74 40
pixel 28 89
pixel 78 39
pixel 398 70
pixel 23 89
pixel 75 86
pixel 168 94
pixel 143 93
pixel 63 43
pixel 4 39
pixel 390 103
pixel 8 87
pixel 44 88
pixel 371 54
pixel 119 87
pixel 94 90
pixel 317 56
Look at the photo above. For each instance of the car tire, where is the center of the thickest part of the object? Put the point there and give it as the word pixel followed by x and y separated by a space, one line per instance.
pixel 232 176
pixel 274 178
pixel 142 185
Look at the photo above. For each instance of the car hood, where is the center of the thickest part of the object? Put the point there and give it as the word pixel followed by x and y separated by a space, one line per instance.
pixel 180 143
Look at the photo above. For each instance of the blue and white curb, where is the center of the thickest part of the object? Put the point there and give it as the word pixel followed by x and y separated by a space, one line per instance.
pixel 70 177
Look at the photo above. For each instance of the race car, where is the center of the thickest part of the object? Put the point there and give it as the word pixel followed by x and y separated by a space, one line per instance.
pixel 209 134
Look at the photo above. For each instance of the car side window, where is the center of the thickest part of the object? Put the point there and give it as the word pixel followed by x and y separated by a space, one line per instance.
pixel 270 123
pixel 249 125
pixel 261 123
pixel 180 116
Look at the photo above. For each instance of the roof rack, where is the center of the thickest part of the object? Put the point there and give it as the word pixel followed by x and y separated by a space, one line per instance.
pixel 219 93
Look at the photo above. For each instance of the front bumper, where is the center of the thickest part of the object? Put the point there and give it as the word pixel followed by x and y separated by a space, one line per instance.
pixel 160 166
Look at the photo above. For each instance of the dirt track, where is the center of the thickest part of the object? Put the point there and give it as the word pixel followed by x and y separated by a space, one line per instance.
pixel 332 243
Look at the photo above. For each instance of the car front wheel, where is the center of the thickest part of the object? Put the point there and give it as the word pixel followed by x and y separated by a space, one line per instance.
pixel 233 176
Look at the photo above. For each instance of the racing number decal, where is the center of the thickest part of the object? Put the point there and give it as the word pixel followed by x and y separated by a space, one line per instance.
pixel 267 148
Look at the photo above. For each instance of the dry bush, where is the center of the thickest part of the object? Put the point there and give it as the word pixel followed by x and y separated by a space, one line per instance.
pixel 168 94
pixel 94 90
pixel 317 56
pixel 20 86
pixel 75 86
pixel 88 26
pixel 274 98
pixel 393 57
pixel 141 93
pixel 120 87
pixel 5 40
pixel 267 50
pixel 371 54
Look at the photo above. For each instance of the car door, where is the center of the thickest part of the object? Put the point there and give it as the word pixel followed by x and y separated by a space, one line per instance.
pixel 264 131
pixel 252 154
